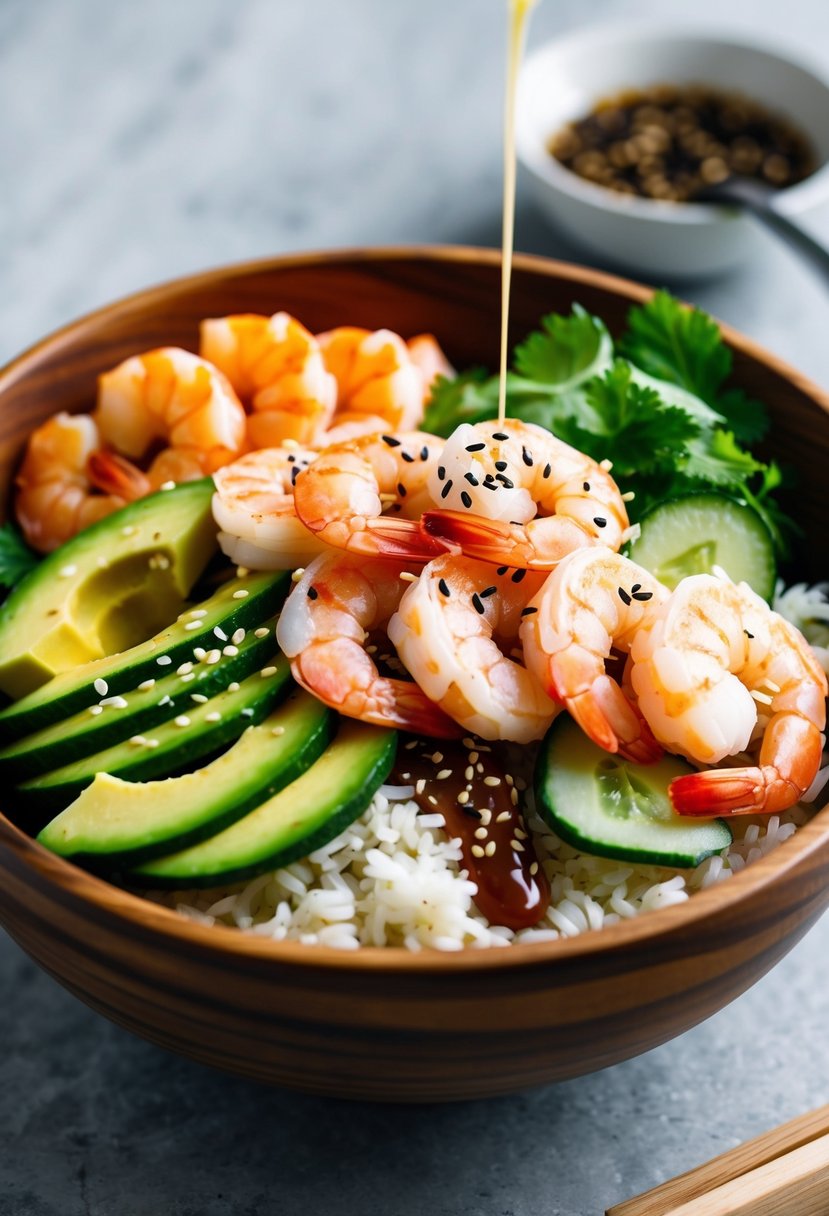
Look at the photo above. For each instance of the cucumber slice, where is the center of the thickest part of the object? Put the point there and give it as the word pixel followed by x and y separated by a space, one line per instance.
pixel 692 534
pixel 328 796
pixel 116 823
pixel 174 745
pixel 603 805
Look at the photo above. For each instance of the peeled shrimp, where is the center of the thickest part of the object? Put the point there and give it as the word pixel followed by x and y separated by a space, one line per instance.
pixel 707 660
pixel 56 496
pixel 445 632
pixel 277 368
pixel 376 374
pixel 254 508
pixel 323 628
pixel 426 353
pixel 593 602
pixel 172 397
pixel 512 493
pixel 342 494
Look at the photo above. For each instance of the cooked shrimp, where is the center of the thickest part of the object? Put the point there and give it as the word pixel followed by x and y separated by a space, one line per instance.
pixel 342 494
pixel 254 508
pixel 323 628
pixel 707 660
pixel 172 397
pixel 55 495
pixel 593 602
pixel 375 374
pixel 445 632
pixel 426 353
pixel 491 482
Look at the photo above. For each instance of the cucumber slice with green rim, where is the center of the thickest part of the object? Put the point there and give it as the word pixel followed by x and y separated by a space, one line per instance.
pixel 228 609
pixel 604 805
pixel 115 823
pixel 102 726
pixel 171 747
pixel 300 818
pixel 692 534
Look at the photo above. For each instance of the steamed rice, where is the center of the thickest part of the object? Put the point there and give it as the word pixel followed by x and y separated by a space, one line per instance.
pixel 393 878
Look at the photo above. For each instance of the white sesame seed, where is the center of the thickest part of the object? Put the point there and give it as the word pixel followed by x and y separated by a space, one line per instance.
pixel 477 851
pixel 517 846
pixel 503 817
pixel 534 868
pixel 437 757
pixel 247 712
pixel 101 687
pixel 197 613
pixel 233 686
pixel 467 742
pixel 146 685
pixel 188 676
pixel 481 833
pixel 167 485
pixel 262 632
pixel 628 496
pixel 513 796
pixel 489 849
pixel 184 669
pixel 151 742
pixel 68 571
pixel 420 786
pixel 215 716
pixel 213 656
pixel 182 720
pixel 469 772
pixel 509 779
pixel 95 710
pixel 463 797
pixel 520 833
pixel 230 651
pixel 297 574
pixel 128 530
pixel 473 757
pixel 165 700
pixel 607 465
pixel 410 745
pixel 220 634
pixel 191 625
pixel 115 702
pixel 241 594
pixel 198 697
pixel 277 731
pixel 138 741
pixel 407 577
pixel 199 653
pixel 242 571
pixel 761 698
pixel 492 780
pixel 479 768
pixel 164 660
pixel 267 671
pixel 238 637
pixel 486 816
pixel 443 773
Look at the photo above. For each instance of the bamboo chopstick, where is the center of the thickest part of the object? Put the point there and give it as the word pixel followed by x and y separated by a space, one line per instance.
pixel 784 1172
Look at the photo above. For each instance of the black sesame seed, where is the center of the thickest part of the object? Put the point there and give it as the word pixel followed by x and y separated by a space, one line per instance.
pixel 424 453
pixel 548 468
pixel 599 521
pixel 391 441
pixel 476 447
pixel 407 457
pixel 489 485
pixel 500 435
pixel 527 458
pixel 502 570
pixel 441 472
pixel 643 595
pixel 477 604
pixel 401 489
pixel 487 591
pixel 586 487
pixel 500 465
pixel 528 611
pixel 505 481
pixel 471 812
pixel 443 587
pixel 466 499
pixel 623 595
pixel 446 489
pixel 472 479
pixel 636 587
pixel 294 475
pixel 313 593
pixel 518 576
pixel 291 459
pixel 748 635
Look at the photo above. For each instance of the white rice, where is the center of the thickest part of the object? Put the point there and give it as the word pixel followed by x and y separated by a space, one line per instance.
pixel 394 879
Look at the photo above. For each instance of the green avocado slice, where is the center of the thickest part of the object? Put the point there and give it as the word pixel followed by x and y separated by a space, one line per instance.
pixel 114 822
pixel 117 718
pixel 306 814
pixel 108 588
pixel 173 746
pixel 238 604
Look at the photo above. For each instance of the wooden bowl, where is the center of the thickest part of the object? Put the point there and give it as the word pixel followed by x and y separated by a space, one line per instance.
pixel 387 1024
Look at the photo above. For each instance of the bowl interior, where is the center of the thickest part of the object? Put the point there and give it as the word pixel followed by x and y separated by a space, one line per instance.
pixel 565 78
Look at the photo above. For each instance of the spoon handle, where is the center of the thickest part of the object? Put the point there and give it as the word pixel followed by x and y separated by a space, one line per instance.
pixel 795 237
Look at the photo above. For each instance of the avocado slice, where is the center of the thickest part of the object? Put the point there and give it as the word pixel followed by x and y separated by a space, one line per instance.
pixel 116 718
pixel 114 822
pixel 173 746
pixel 238 604
pixel 108 588
pixel 303 816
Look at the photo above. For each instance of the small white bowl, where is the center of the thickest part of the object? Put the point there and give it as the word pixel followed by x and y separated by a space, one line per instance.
pixel 563 80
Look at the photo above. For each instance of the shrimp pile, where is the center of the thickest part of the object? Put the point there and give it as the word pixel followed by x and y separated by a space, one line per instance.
pixel 469 585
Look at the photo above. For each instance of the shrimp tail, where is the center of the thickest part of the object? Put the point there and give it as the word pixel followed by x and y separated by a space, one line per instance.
pixel 789 760
pixel 607 716
pixel 502 542
pixel 114 474
pixel 401 539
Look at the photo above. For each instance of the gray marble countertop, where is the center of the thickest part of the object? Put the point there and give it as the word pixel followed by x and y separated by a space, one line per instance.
pixel 143 141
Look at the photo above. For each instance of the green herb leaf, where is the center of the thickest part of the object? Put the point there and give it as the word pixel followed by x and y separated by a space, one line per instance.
pixel 679 344
pixel 16 558
pixel 565 351
pixel 470 397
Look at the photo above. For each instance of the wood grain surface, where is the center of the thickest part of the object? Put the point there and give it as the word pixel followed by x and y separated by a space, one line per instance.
pixel 388 1024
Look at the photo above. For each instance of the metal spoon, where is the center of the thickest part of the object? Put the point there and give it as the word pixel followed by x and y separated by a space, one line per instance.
pixel 757 198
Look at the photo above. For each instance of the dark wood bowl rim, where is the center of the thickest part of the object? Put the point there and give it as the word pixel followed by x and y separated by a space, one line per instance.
pixel 223 940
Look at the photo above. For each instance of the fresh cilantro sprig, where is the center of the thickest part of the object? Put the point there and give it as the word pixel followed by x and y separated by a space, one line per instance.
pixel 16 558
pixel 658 406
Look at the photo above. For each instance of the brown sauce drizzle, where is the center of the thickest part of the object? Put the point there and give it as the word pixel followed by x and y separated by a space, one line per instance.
pixel 480 805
